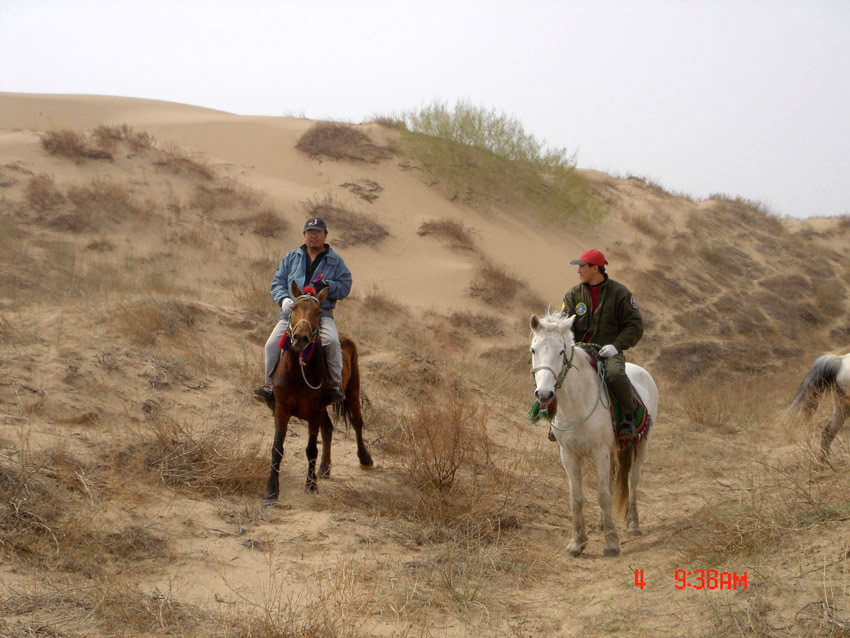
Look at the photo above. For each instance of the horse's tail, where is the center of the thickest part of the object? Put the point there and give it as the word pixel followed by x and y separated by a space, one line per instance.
pixel 342 409
pixel 820 378
pixel 625 457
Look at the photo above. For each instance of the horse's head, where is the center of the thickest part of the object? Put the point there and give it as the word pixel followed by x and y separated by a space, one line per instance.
pixel 551 337
pixel 304 317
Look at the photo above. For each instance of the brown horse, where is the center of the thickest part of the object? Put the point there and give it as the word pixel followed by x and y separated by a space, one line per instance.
pixel 300 390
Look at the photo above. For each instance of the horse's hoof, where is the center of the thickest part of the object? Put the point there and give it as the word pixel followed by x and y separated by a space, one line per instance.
pixel 635 531
pixel 367 463
pixel 575 549
pixel 324 473
pixel 608 553
pixel 269 501
pixel 311 487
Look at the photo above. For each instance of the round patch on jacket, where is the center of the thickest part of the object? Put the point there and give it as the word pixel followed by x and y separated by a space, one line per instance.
pixel 634 302
pixel 582 308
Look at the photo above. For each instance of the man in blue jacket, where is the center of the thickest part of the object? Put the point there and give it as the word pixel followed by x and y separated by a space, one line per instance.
pixel 314 264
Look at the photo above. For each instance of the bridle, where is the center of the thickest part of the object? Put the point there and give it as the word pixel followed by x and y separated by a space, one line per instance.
pixel 566 366
pixel 313 336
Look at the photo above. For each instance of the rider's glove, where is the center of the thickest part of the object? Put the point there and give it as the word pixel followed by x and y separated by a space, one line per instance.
pixel 286 305
pixel 319 285
pixel 607 351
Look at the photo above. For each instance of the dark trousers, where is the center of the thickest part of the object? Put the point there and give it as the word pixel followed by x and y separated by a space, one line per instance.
pixel 619 384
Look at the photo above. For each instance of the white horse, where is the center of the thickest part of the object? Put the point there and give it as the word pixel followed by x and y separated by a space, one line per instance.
pixel 583 427
pixel 829 374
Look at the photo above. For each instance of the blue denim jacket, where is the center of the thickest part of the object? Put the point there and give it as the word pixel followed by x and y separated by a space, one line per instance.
pixel 293 267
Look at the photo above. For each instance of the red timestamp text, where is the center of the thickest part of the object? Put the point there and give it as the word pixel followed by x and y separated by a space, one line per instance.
pixel 710 579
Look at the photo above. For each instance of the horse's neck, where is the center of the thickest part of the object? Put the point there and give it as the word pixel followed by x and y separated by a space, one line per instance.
pixel 580 385
pixel 290 363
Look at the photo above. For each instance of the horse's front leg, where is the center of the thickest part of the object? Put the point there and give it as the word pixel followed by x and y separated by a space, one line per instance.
pixel 602 460
pixel 327 437
pixel 281 422
pixel 313 425
pixel 572 465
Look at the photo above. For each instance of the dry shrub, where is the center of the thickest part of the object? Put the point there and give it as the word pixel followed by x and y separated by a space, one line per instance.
pixel 42 194
pixel 652 225
pixel 762 509
pixel 102 245
pixel 30 513
pixel 458 235
pixel 340 141
pixel 479 324
pixel 439 439
pixel 348 227
pixel 144 321
pixel 364 188
pixel 108 137
pixel 266 223
pixel 175 160
pixel 111 606
pixel 213 461
pixel 72 145
pixel 493 284
pixel 227 195
pixel 104 199
pixel 251 288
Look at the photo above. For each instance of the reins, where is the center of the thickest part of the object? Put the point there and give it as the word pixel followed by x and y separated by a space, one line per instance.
pixel 313 337
pixel 566 366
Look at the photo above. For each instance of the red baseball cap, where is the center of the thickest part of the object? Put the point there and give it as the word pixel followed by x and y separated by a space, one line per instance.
pixel 591 256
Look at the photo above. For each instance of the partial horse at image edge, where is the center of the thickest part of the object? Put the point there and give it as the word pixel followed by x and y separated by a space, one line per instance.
pixel 829 375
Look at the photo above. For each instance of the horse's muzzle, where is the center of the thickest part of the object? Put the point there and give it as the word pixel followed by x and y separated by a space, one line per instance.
pixel 544 396
pixel 299 342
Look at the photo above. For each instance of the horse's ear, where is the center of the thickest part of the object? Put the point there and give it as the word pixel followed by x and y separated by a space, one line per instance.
pixel 295 290
pixel 323 294
pixel 534 322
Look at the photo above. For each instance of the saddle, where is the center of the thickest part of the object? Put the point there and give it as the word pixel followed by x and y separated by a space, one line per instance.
pixel 643 420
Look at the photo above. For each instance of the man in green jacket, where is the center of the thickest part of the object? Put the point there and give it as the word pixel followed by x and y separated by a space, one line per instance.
pixel 606 314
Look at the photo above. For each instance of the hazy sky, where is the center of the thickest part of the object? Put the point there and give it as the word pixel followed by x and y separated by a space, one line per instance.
pixel 738 97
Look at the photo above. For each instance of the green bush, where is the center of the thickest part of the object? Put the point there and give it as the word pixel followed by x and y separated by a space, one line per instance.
pixel 478 154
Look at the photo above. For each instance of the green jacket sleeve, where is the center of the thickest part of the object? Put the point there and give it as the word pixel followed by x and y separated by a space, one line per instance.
pixel 631 322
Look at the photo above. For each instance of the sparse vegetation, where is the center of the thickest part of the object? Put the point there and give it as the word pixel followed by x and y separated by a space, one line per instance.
pixel 133 458
pixel 455 232
pixel 72 145
pixel 494 285
pixel 479 154
pixel 340 141
pixel 349 228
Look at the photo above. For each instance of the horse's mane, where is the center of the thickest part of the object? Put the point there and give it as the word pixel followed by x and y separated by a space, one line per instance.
pixel 552 321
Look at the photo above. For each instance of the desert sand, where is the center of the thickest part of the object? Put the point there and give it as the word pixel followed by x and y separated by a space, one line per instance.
pixel 133 310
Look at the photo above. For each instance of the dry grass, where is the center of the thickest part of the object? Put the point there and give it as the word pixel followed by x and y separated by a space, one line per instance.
pixel 340 141
pixel 454 232
pixel 345 226
pixel 224 194
pixel 173 159
pixel 42 194
pixel 211 461
pixel 655 225
pixel 108 138
pixel 103 200
pixel 267 223
pixel 72 145
pixel 143 322
pixel 494 285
